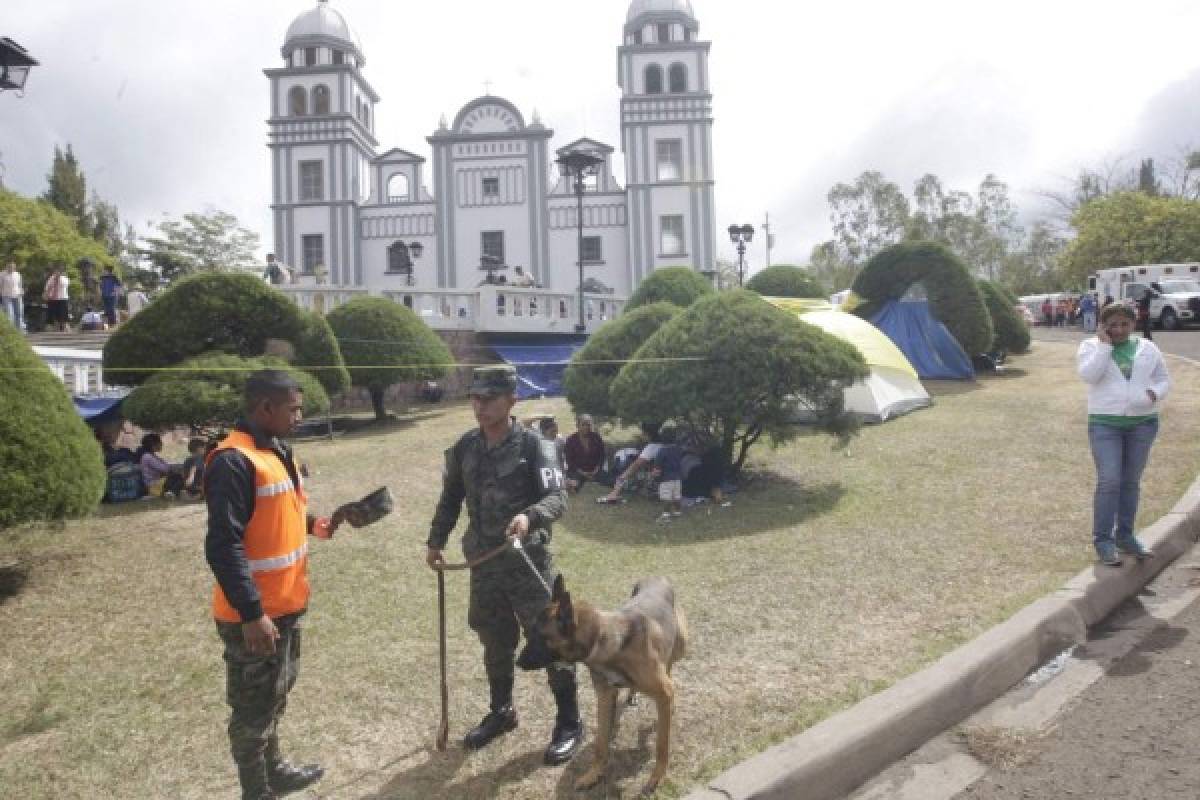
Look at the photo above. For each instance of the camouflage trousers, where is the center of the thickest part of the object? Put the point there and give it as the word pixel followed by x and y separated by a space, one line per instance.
pixel 256 688
pixel 506 598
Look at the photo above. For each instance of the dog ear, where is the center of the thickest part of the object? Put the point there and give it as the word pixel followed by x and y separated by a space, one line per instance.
pixel 560 589
pixel 566 615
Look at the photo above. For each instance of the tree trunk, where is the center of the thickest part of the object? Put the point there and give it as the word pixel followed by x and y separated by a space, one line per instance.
pixel 377 403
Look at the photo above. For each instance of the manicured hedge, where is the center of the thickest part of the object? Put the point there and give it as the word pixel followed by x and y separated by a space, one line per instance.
pixel 51 465
pixel 785 280
pixel 679 285
pixel 954 297
pixel 1012 334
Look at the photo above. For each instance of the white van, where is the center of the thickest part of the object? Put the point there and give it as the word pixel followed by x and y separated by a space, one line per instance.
pixel 1178 303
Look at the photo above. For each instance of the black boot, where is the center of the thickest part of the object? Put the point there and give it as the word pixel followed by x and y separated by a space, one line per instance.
pixel 500 720
pixel 283 778
pixel 496 723
pixel 254 782
pixel 568 727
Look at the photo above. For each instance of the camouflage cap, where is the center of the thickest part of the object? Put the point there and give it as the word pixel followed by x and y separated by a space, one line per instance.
pixel 488 381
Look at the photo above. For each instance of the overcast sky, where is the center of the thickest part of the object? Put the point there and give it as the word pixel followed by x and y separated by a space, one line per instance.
pixel 165 103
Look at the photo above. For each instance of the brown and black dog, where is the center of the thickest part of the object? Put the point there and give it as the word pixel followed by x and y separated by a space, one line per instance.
pixel 634 646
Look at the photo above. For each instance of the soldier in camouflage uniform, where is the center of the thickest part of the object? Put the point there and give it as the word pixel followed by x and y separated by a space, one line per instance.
pixel 509 478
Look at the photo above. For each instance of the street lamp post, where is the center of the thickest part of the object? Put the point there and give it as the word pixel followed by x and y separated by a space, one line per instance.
pixel 15 62
pixel 741 235
pixel 579 164
pixel 414 250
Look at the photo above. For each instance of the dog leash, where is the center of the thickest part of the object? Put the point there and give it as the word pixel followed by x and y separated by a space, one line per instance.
pixel 515 544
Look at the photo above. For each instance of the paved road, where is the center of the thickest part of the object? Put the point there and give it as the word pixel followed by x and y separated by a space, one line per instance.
pixel 1184 343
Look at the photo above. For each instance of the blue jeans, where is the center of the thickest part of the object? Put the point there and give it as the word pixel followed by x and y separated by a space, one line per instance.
pixel 1120 455
pixel 13 309
pixel 1089 321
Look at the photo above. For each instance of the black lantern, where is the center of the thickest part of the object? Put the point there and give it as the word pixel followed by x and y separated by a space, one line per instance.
pixel 741 235
pixel 14 65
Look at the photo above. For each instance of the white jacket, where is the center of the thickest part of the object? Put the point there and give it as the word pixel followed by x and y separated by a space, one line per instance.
pixel 1108 390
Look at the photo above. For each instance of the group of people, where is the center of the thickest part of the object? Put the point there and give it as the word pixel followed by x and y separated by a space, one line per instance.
pixel 156 476
pixel 56 294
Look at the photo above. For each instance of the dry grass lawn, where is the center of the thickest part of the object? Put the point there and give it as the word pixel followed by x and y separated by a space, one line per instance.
pixel 833 575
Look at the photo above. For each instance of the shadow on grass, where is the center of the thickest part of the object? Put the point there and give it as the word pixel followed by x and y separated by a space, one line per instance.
pixel 361 427
pixel 950 388
pixel 138 507
pixel 432 778
pixel 767 501
pixel 1004 373
pixel 13 577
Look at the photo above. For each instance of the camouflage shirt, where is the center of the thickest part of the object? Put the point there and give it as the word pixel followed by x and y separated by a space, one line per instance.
pixel 519 475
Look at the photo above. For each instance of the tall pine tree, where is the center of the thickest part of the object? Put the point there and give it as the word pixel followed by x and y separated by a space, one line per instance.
pixel 68 189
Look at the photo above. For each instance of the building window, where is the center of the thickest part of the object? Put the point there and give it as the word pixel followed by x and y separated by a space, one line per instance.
pixel 312 181
pixel 320 98
pixel 591 182
pixel 635 37
pixel 671 239
pixel 593 250
pixel 492 247
pixel 491 187
pixel 399 259
pixel 397 188
pixel 339 57
pixel 366 116
pixel 310 56
pixel 678 78
pixel 297 102
pixel 670 159
pixel 314 252
pixel 654 79
pixel 663 31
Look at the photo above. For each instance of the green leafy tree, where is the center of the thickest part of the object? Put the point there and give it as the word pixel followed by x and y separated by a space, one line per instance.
pixel 317 352
pixel 590 374
pixel 205 393
pixel 1129 228
pixel 231 313
pixel 67 190
pixel 868 215
pixel 1034 268
pixel 785 280
pixel 212 242
pixel 830 268
pixel 106 226
pixel 679 285
pixel 728 370
pixel 954 298
pixel 51 466
pixel 385 343
pixel 1011 332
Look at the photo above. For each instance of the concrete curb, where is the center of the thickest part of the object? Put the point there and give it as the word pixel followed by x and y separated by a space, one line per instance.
pixel 838 754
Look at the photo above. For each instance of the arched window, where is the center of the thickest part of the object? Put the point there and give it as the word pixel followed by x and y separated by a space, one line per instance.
pixel 320 99
pixel 297 102
pixel 397 188
pixel 398 258
pixel 654 79
pixel 366 118
pixel 678 79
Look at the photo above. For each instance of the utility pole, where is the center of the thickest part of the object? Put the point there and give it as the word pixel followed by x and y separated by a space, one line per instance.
pixel 770 237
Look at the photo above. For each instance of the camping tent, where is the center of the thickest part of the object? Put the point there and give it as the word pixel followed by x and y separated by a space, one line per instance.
pixel 924 340
pixel 540 364
pixel 892 388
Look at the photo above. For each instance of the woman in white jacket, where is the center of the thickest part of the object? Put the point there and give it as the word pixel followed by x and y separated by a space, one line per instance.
pixel 1127 382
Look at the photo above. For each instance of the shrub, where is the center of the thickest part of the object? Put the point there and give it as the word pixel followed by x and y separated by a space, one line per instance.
pixel 679 285
pixel 954 297
pixel 1012 334
pixel 205 393
pixel 318 353
pixel 233 313
pixel 586 385
pixel 385 343
pixel 51 465
pixel 784 280
pixel 741 363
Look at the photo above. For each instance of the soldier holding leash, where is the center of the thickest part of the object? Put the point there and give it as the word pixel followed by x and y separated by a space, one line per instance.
pixel 513 488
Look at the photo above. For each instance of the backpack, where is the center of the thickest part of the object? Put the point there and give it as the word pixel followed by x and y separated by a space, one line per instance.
pixel 124 483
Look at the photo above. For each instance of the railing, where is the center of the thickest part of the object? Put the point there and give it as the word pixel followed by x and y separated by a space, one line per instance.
pixel 485 309
pixel 81 371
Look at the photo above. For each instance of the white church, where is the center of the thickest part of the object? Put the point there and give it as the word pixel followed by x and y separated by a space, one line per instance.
pixel 351 218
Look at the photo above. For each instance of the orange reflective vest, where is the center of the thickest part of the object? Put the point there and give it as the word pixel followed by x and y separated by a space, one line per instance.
pixel 276 541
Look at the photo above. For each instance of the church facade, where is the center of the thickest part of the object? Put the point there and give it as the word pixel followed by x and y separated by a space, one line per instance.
pixel 348 213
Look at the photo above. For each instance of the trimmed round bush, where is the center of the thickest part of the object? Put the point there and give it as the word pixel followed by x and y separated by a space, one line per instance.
pixel 679 285
pixel 385 343
pixel 954 297
pixel 785 280
pixel 318 353
pixel 729 368
pixel 1012 334
pixel 233 313
pixel 51 466
pixel 586 384
pixel 206 393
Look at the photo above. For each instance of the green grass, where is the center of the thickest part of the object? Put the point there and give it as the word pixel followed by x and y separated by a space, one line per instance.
pixel 833 575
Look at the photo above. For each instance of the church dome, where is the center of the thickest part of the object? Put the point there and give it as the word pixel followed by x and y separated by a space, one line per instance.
pixel 639 7
pixel 322 25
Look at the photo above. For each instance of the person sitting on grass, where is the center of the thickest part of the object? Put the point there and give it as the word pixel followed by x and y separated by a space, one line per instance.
pixel 584 452
pixel 628 479
pixel 193 467
pixel 668 462
pixel 548 428
pixel 162 478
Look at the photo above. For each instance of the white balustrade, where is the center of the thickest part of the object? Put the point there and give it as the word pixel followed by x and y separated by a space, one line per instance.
pixel 81 371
